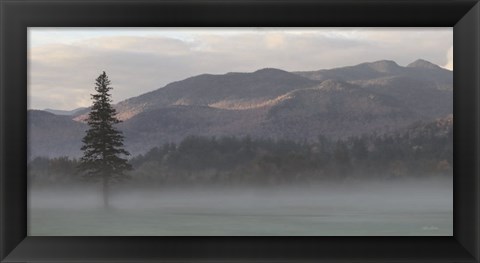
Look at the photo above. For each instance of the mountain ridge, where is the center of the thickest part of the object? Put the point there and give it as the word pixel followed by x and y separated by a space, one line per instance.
pixel 369 97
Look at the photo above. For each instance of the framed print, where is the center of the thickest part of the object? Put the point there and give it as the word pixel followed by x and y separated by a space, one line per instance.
pixel 239 131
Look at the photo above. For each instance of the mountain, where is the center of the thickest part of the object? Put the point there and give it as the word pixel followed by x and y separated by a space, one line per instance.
pixel 421 63
pixel 53 135
pixel 420 70
pixel 228 91
pixel 425 97
pixel 172 124
pixel 375 97
pixel 337 109
pixel 362 71
pixel 66 112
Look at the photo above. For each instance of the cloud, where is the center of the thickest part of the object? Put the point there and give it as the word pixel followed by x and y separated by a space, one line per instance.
pixel 275 40
pixel 449 64
pixel 61 74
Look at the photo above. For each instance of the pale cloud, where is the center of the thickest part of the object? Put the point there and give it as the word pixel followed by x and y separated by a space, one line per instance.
pixel 275 40
pixel 138 44
pixel 62 73
pixel 449 64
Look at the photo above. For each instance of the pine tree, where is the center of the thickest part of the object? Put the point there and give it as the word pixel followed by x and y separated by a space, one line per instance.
pixel 103 143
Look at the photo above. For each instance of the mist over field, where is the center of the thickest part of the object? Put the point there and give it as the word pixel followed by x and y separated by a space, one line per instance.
pixel 411 207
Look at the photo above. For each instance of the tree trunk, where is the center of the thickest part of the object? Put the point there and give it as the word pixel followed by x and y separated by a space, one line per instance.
pixel 106 193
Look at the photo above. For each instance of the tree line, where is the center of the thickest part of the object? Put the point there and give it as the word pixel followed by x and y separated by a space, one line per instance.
pixel 196 160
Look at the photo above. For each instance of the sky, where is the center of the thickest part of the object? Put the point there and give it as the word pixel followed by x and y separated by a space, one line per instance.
pixel 64 62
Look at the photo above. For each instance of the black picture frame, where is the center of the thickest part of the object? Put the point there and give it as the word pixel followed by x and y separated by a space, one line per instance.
pixel 17 15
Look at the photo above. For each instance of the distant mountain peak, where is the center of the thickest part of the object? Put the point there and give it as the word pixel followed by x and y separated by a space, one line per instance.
pixel 41 112
pixel 65 112
pixel 383 65
pixel 270 71
pixel 421 63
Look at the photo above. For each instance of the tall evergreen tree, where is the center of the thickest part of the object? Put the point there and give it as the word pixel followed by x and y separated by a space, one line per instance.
pixel 103 147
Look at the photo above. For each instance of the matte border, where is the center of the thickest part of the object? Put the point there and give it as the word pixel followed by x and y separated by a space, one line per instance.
pixel 17 15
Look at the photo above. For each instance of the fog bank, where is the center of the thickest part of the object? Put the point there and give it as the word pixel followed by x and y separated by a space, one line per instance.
pixel 400 208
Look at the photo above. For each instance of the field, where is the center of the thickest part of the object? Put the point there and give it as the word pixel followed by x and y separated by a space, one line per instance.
pixel 408 208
